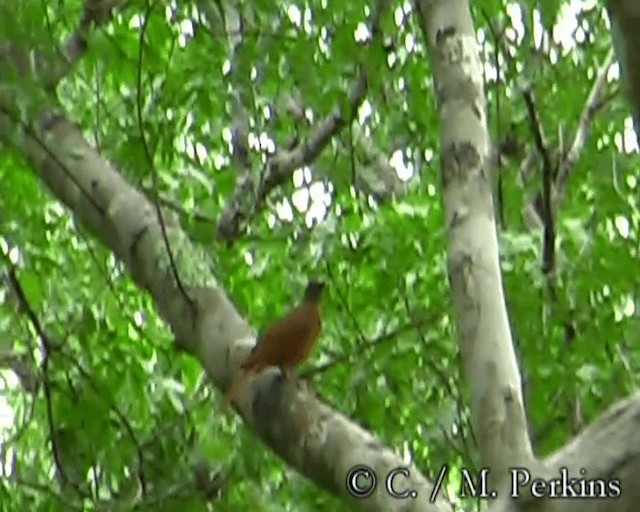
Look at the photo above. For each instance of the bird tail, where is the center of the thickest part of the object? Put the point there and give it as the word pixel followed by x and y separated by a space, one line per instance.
pixel 239 385
pixel 235 391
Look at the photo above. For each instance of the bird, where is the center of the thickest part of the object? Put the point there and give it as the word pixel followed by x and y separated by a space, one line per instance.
pixel 287 342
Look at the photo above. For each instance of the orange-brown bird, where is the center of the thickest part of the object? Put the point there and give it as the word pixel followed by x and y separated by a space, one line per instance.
pixel 286 343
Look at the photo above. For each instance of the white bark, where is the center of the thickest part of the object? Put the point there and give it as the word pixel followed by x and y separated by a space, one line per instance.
pixel 319 442
pixel 476 282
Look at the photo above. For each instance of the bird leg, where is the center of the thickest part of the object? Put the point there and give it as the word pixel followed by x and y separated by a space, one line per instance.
pixel 291 377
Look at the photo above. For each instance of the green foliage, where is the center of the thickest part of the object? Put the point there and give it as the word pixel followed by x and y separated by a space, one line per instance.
pixel 129 417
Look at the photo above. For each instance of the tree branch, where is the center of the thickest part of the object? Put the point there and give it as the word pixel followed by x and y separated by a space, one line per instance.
pixel 484 335
pixel 280 166
pixel 326 445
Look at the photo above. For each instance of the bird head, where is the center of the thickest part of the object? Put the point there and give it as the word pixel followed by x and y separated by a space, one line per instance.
pixel 313 292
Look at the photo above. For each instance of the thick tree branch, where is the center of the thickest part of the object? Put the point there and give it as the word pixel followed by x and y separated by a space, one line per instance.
pixel 604 455
pixel 319 442
pixel 484 335
pixel 625 19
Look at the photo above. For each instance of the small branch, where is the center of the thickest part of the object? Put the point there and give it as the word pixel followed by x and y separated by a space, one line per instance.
pixel 595 102
pixel 150 161
pixel 239 204
pixel 281 166
pixel 548 175
pixel 180 209
pixel 383 182
pixel 365 344
pixel 94 14
pixel 47 348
